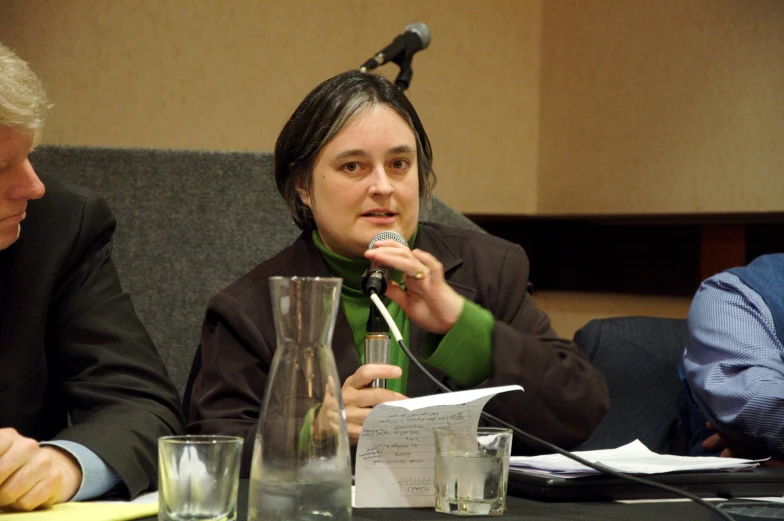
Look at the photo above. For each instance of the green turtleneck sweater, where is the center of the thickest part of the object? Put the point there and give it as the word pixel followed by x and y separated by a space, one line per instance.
pixel 465 353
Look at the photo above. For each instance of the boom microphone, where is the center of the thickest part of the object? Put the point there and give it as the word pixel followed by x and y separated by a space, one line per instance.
pixel 415 37
pixel 374 280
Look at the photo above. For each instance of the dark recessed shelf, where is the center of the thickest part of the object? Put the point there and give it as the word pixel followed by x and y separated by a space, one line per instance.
pixel 641 254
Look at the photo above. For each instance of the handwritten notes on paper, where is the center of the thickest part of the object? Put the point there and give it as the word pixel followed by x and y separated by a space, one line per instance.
pixel 396 450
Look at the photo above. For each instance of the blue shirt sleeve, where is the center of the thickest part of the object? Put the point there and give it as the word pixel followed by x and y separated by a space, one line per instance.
pixel 734 363
pixel 97 477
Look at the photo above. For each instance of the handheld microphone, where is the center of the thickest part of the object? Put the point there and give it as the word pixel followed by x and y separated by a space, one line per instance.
pixel 376 343
pixel 415 37
pixel 374 280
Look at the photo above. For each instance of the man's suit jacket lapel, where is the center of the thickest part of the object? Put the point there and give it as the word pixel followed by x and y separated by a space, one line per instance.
pixel 3 261
pixel 9 318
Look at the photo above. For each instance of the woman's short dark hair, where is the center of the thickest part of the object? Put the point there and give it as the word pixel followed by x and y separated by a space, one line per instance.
pixel 321 115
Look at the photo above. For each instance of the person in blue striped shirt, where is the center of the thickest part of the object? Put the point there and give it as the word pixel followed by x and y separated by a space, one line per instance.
pixel 734 360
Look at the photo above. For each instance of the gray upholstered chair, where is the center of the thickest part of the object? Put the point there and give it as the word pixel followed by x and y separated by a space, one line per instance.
pixel 189 222
pixel 639 358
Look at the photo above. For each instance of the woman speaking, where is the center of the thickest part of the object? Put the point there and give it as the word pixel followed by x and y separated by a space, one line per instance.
pixel 353 161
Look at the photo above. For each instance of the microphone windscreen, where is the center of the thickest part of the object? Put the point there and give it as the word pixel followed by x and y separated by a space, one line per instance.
pixel 421 30
pixel 388 236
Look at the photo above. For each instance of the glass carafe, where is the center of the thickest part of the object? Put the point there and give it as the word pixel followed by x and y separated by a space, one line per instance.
pixel 301 468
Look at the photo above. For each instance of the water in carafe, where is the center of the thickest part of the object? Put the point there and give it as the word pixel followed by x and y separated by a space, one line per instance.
pixel 301 467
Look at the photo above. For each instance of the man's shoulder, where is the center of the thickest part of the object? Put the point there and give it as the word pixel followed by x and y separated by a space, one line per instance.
pixel 65 204
pixel 62 193
pixel 771 265
pixel 763 275
pixel 64 214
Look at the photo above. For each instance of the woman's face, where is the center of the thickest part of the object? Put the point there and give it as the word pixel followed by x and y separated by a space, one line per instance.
pixel 365 181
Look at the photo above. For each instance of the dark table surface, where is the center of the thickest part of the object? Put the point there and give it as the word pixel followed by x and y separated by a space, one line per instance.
pixel 529 510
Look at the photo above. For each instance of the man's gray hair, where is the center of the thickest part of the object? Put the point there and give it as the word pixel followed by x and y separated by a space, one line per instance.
pixel 23 101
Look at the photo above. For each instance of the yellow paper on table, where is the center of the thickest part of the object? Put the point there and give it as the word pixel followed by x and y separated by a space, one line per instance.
pixel 86 511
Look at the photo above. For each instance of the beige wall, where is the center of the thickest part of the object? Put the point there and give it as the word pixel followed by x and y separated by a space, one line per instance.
pixel 533 106
pixel 657 106
pixel 569 311
pixel 225 74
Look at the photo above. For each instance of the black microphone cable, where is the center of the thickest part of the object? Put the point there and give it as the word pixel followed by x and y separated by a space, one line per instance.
pixel 538 441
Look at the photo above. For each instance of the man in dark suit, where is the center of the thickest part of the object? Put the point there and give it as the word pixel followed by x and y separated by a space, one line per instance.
pixel 84 394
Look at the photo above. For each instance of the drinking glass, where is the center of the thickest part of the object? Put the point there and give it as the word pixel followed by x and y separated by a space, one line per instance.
pixel 198 477
pixel 472 470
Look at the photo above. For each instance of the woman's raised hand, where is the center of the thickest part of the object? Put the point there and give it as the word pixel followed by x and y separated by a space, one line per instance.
pixel 427 299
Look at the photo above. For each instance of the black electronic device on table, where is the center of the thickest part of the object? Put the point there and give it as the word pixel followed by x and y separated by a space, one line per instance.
pixel 748 483
pixel 751 511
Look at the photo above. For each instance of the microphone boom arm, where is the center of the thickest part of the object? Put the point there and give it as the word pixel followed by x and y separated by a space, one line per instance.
pixel 403 79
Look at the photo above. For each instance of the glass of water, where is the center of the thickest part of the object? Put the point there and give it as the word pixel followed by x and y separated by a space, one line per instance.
pixel 198 477
pixel 472 469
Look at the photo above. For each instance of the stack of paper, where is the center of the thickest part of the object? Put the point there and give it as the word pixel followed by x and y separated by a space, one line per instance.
pixel 634 458
pixel 143 506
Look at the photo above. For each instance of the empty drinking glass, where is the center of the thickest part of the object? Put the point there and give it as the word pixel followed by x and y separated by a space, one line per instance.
pixel 198 477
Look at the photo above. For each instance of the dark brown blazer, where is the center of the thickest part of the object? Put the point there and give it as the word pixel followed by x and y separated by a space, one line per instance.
pixel 75 361
pixel 565 397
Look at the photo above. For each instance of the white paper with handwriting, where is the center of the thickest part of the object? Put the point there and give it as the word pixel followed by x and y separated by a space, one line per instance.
pixel 396 452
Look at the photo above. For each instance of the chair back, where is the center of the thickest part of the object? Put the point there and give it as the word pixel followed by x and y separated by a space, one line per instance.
pixel 639 358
